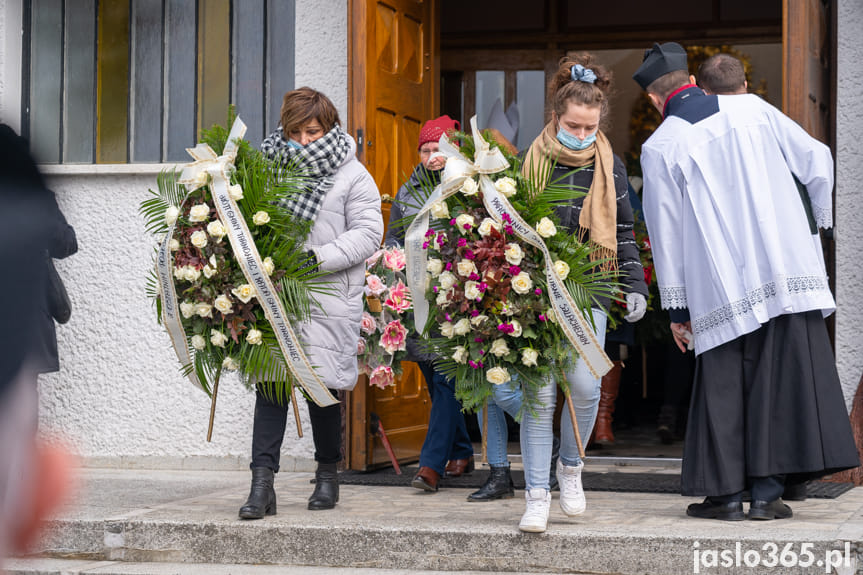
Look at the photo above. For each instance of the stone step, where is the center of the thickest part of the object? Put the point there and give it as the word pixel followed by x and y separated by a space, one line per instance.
pixel 141 517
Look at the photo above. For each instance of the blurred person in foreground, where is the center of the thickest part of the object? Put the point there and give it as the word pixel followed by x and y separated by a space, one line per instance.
pixel 34 478
pixel 746 286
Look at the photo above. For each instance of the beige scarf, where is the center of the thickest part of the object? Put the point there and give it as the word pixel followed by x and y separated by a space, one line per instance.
pixel 599 211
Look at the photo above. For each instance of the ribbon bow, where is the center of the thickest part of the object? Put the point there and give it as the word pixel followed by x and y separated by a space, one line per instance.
pixel 194 175
pixel 487 160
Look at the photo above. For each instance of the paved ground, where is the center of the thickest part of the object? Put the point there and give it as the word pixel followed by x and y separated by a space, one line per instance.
pixel 139 516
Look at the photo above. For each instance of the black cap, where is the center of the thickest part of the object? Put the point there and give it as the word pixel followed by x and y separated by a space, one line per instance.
pixel 659 61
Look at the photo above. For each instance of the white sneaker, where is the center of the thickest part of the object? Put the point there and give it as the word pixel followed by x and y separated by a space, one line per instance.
pixel 572 501
pixel 535 516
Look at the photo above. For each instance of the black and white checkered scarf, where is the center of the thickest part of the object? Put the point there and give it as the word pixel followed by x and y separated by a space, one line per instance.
pixel 318 161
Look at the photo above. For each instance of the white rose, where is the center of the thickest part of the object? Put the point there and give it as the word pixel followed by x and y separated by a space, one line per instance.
pixel 216 229
pixel 561 268
pixel 460 354
pixel 487 226
pixel 180 273
pixel 507 309
pixel 199 213
pixel 516 328
pixel 187 308
pixel 217 338
pixel 254 337
pixel 469 187
pixel 244 292
pixel 442 299
pixel 434 267
pixel 201 180
pixel 269 266
pixel 465 268
pixel 174 245
pixel 236 192
pixel 506 186
pixel 198 342
pixel 462 327
pixel 499 348
pixel 513 254
pixel 478 320
pixel 497 375
pixel 464 220
pixel 209 271
pixel 471 291
pixel 522 283
pixel 213 263
pixel 549 313
pixel 545 228
pixel 439 210
pixel 529 356
pixel 223 304
pixel 260 218
pixel 204 309
pixel 446 280
pixel 199 239
pixel 447 329
pixel 171 215
pixel 229 364
pixel 192 274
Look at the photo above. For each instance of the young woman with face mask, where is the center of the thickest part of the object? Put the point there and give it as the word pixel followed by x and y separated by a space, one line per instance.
pixel 573 139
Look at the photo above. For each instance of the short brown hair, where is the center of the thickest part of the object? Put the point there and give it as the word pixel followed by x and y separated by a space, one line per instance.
pixel 667 83
pixel 301 106
pixel 563 89
pixel 722 74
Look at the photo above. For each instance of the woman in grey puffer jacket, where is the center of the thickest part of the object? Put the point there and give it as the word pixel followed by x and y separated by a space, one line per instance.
pixel 345 206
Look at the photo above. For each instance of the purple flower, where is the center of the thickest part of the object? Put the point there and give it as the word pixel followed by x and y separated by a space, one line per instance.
pixel 436 288
pixel 469 255
pixel 447 316
pixel 425 245
pixel 441 239
pixel 481 364
pixel 482 286
pixel 473 276
pixel 506 218
pixel 474 313
pixel 448 266
pixel 508 230
pixel 473 364
pixel 466 226
pixel 477 339
pixel 481 352
pixel 430 233
pixel 542 317
pixel 537 291
pixel 462 242
pixel 452 222
pixel 506 328
pixel 514 270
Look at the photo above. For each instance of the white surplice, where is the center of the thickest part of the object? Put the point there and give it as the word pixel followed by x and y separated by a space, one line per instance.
pixel 728 229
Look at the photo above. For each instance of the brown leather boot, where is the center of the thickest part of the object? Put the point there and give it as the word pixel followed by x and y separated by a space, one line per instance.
pixel 458 467
pixel 426 479
pixel 608 394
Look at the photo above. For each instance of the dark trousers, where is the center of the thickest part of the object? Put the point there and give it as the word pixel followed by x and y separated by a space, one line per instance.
pixel 269 431
pixel 447 436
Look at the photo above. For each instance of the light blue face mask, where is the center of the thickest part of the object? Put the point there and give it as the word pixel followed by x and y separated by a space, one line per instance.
pixel 294 144
pixel 572 142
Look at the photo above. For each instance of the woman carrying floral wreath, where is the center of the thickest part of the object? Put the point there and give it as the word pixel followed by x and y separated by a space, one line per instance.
pixel 343 202
pixel 579 99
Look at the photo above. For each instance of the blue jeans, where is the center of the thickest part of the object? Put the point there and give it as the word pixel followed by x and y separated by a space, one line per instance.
pixel 447 436
pixel 537 429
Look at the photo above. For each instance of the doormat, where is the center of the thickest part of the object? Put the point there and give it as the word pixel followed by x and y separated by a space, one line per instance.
pixel 593 481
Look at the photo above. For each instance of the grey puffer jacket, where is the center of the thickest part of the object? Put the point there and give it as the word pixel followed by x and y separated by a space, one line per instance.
pixel 348 229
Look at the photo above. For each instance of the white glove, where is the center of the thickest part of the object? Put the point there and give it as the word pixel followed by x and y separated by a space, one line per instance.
pixel 637 306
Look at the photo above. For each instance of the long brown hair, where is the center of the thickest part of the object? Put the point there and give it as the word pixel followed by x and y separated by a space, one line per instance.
pixel 562 89
pixel 301 106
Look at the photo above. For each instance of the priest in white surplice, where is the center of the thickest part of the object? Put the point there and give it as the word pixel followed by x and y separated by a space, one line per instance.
pixel 745 283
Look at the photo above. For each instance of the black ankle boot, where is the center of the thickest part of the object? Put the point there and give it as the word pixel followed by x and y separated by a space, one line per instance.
pixel 262 497
pixel 326 492
pixel 498 486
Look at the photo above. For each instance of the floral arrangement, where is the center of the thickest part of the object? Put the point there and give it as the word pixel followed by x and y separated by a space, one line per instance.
pixel 491 317
pixel 387 318
pixel 224 324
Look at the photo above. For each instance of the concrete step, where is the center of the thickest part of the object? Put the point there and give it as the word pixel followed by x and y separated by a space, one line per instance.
pixel 141 517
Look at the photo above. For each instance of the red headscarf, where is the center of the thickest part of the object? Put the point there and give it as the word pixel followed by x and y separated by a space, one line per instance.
pixel 434 129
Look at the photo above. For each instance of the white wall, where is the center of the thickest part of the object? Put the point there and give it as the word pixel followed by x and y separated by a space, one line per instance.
pixel 849 196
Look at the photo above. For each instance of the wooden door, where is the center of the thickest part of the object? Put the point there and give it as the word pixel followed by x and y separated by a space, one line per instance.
pixel 393 90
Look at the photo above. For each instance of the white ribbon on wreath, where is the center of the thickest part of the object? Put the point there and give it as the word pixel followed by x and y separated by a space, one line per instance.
pixel 488 161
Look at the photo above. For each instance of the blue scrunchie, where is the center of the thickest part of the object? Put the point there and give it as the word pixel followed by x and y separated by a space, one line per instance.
pixel 581 74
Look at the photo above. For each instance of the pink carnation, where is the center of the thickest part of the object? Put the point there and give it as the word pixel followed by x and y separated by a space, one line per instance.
pixel 361 346
pixel 398 298
pixel 375 285
pixel 394 259
pixel 382 376
pixel 368 325
pixel 394 337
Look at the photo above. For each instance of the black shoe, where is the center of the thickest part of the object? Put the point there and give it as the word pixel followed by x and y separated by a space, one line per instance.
pixel 794 492
pixel 326 493
pixel 498 486
pixel 262 496
pixel 708 509
pixel 766 510
pixel 552 472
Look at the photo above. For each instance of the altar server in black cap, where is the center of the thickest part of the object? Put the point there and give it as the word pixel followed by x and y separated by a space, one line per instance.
pixel 743 282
